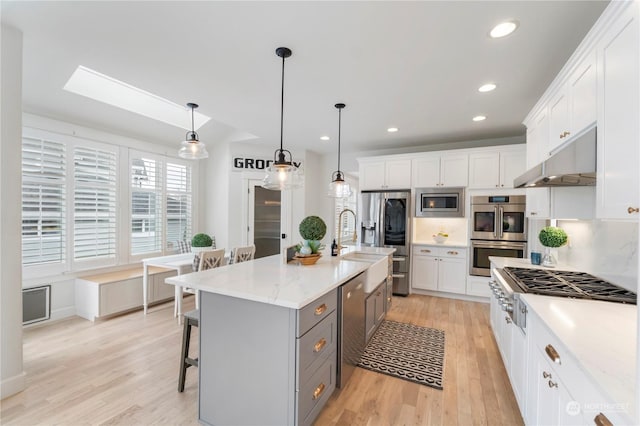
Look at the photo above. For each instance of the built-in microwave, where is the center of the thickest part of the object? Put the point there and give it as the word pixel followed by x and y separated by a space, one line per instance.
pixel 440 202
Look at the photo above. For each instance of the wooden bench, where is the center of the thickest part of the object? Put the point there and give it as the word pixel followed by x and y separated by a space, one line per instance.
pixel 110 293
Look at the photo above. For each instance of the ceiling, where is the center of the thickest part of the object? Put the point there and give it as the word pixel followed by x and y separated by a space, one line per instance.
pixel 412 65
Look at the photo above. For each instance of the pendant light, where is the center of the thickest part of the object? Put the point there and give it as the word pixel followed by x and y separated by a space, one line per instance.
pixel 192 148
pixel 282 173
pixel 338 187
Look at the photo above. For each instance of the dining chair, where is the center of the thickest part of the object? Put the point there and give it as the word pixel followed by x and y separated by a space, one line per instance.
pixel 211 259
pixel 242 254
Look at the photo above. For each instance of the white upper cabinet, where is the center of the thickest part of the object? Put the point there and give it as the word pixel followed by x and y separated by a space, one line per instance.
pixel 537 139
pixel 574 107
pixel 437 170
pixel 385 174
pixel 496 169
pixel 618 119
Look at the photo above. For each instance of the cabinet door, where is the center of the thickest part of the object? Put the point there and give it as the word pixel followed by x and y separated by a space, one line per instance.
pixel 583 95
pixel 484 170
pixel 425 172
pixel 372 175
pixel 538 139
pixel 512 165
pixel 454 170
pixel 370 316
pixel 452 275
pixel 559 120
pixel 538 205
pixel 618 132
pixel 519 364
pixel 424 272
pixel 398 174
pixel 379 305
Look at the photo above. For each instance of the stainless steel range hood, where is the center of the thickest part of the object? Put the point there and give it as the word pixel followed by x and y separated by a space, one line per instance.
pixel 573 165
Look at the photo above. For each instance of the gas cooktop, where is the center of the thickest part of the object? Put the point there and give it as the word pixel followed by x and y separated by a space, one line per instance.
pixel 579 285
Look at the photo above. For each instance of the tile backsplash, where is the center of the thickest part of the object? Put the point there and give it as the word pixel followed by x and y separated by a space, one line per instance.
pixel 606 249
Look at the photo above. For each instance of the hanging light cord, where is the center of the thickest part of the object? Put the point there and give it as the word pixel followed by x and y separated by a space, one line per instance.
pixel 282 105
pixel 339 129
pixel 193 127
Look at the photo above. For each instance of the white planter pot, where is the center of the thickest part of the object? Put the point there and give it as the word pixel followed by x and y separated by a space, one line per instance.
pixel 197 250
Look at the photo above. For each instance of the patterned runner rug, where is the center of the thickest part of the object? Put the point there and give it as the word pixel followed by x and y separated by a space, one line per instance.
pixel 406 351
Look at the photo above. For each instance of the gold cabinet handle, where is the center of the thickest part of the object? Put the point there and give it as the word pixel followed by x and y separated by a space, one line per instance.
pixel 602 420
pixel 552 353
pixel 553 384
pixel 508 320
pixel 452 252
pixel 319 391
pixel 632 210
pixel 429 251
pixel 546 375
pixel 319 345
pixel 320 309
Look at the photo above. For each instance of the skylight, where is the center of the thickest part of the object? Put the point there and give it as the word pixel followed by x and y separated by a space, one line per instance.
pixel 100 87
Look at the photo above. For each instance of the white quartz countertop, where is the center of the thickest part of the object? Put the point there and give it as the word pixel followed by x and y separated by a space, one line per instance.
pixel 269 280
pixel 601 336
pixel 512 262
pixel 447 243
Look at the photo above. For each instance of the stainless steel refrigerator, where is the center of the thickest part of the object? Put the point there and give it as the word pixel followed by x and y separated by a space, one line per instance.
pixel 385 222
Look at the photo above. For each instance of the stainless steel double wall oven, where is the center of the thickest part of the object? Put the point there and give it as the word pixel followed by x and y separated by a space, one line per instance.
pixel 386 222
pixel 498 228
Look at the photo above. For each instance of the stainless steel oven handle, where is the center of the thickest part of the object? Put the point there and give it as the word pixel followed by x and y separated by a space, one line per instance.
pixel 495 221
pixel 498 245
pixel 501 221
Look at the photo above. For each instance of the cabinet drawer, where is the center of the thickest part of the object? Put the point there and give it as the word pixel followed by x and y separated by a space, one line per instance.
pixel 313 394
pixel 316 311
pixel 316 345
pixel 440 251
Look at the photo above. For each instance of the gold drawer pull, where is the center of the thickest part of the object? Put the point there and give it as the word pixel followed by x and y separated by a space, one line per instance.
pixel 319 345
pixel 319 390
pixel 320 309
pixel 452 252
pixel 425 251
pixel 546 375
pixel 602 420
pixel 632 210
pixel 553 384
pixel 552 353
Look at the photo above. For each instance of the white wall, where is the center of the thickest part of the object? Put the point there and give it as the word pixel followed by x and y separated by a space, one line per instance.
pixel 11 370
pixel 607 249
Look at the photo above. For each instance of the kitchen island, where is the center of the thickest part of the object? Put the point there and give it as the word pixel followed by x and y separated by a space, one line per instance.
pixel 268 337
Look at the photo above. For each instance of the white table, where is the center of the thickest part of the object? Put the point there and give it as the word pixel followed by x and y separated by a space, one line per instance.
pixel 181 263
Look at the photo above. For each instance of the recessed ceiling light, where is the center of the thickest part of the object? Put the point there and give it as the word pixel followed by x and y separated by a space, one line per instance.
pixel 487 87
pixel 479 118
pixel 324 138
pixel 100 87
pixel 392 129
pixel 503 29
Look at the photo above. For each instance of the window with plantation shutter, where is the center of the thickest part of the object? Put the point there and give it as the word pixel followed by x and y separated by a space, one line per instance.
pixel 178 203
pixel 94 223
pixel 146 205
pixel 43 201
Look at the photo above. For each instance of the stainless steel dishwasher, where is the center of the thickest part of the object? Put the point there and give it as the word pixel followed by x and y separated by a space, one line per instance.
pixel 351 340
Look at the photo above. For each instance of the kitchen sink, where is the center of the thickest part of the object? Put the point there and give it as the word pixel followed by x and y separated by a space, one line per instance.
pixel 377 271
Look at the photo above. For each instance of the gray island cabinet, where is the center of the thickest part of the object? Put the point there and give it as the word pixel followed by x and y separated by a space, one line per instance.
pixel 268 338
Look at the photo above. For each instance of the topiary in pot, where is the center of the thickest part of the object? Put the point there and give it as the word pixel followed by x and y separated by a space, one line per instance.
pixel 551 236
pixel 200 241
pixel 312 229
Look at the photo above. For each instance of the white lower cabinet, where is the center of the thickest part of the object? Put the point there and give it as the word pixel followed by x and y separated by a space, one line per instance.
pixel 478 286
pixel 439 268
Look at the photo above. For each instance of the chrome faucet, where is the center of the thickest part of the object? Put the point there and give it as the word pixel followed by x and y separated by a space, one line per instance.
pixel 355 234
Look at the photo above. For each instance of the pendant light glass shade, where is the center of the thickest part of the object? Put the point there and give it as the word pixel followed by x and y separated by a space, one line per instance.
pixel 282 173
pixel 339 188
pixel 191 147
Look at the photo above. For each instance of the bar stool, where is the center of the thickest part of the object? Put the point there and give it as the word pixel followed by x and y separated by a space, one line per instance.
pixel 190 319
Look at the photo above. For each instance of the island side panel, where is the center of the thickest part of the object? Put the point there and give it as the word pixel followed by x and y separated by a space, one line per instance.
pixel 247 362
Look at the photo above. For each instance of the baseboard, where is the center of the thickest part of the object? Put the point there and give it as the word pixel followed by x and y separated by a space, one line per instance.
pixel 12 385
pixel 467 297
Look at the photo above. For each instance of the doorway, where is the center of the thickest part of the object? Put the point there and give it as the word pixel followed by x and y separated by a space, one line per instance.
pixel 264 219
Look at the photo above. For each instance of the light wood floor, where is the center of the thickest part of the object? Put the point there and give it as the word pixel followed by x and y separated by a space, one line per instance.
pixel 124 371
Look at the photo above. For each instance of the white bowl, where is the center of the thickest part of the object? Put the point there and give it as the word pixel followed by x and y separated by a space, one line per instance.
pixel 440 239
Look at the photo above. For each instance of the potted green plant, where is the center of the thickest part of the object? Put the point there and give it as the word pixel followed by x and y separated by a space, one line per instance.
pixel 551 237
pixel 201 242
pixel 312 229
